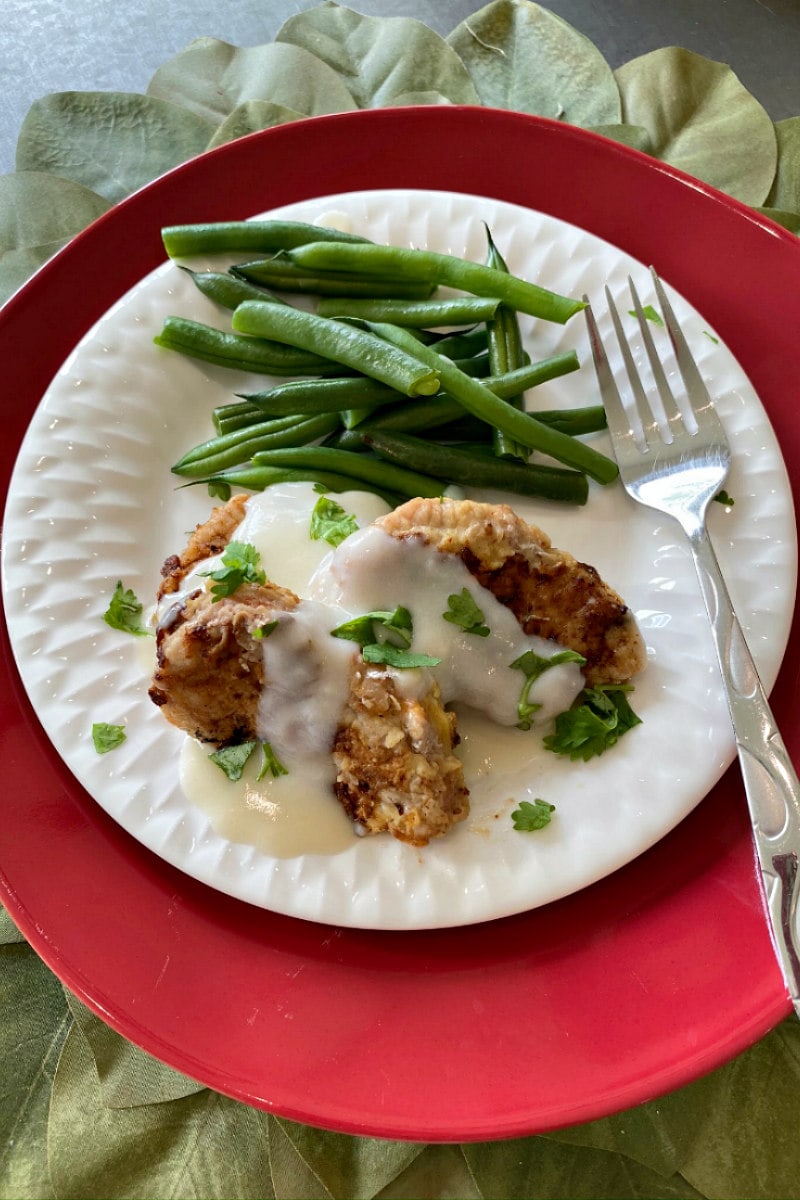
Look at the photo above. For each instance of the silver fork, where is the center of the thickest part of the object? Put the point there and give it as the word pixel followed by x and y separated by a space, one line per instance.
pixel 678 472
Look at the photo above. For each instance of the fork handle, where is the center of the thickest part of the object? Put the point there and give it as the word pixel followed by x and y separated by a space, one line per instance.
pixel 770 781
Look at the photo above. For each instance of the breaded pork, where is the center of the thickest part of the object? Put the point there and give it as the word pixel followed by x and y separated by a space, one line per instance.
pixel 552 595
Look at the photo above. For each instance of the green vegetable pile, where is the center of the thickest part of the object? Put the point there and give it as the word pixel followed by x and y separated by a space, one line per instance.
pixel 385 402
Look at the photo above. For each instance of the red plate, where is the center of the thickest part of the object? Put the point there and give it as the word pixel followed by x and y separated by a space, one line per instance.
pixel 629 989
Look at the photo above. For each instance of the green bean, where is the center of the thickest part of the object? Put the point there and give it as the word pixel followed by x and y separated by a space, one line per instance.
pixel 460 345
pixel 506 352
pixel 413 314
pixel 356 348
pixel 361 466
pixel 478 400
pixel 257 479
pixel 321 395
pixel 252 236
pixel 285 276
pixel 575 421
pixel 428 266
pixel 241 353
pixel 228 417
pixel 228 291
pixel 470 469
pixel 232 449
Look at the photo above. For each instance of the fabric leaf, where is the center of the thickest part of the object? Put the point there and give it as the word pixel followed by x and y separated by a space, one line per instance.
pixel 9 934
pixel 292 1177
pixel 789 220
pixel 380 57
pixel 39 213
pixel 211 78
pixel 438 1173
pixel 701 119
pixel 785 191
pixel 128 1076
pixel 110 142
pixel 628 135
pixel 522 56
pixel 199 1148
pixel 250 117
pixel 35 1024
pixel 351 1168
pixel 541 1169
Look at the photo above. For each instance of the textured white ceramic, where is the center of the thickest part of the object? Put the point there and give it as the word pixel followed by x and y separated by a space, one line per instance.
pixel 92 501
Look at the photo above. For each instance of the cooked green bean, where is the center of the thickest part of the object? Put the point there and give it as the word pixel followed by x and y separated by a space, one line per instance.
pixel 227 290
pixel 229 417
pixel 257 237
pixel 574 421
pixel 241 353
pixel 321 395
pixel 470 469
pixel 506 352
pixel 367 259
pixel 413 314
pixel 359 466
pixel 285 276
pixel 341 343
pixel 478 400
pixel 232 449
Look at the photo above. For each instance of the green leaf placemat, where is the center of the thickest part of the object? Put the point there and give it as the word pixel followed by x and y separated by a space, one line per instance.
pixel 83 1113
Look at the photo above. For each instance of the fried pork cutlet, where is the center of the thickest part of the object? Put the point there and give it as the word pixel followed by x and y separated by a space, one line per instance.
pixel 394 770
pixel 552 595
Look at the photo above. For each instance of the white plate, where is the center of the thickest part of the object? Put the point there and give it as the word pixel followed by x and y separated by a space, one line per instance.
pixel 92 500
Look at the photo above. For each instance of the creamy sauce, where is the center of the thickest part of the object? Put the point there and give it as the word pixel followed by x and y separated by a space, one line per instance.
pixel 308 669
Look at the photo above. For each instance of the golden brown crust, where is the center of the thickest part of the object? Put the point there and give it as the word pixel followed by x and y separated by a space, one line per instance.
pixel 551 594
pixel 209 538
pixel 396 771
pixel 210 667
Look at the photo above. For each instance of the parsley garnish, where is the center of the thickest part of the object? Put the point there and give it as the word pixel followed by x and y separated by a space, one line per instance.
pixel 534 665
pixel 330 522
pixel 530 817
pixel 395 626
pixel 107 737
pixel 650 313
pixel 233 759
pixel 240 564
pixel 723 498
pixel 394 656
pixel 464 612
pixel 263 631
pixel 385 637
pixel 270 763
pixel 125 612
pixel 594 724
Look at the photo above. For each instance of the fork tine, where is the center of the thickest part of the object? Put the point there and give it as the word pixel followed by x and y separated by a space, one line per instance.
pixel 696 390
pixel 647 420
pixel 671 410
pixel 619 424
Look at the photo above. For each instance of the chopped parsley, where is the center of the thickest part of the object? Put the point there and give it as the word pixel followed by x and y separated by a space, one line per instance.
pixel 650 313
pixel 395 626
pixel 240 564
pixel 107 737
pixel 534 665
pixel 394 656
pixel 723 498
pixel 125 612
pixel 532 816
pixel 385 637
pixel 464 612
pixel 330 522
pixel 597 720
pixel 233 759
pixel 270 763
pixel 263 631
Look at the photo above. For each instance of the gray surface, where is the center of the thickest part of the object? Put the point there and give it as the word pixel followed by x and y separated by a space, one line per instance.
pixel 86 45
